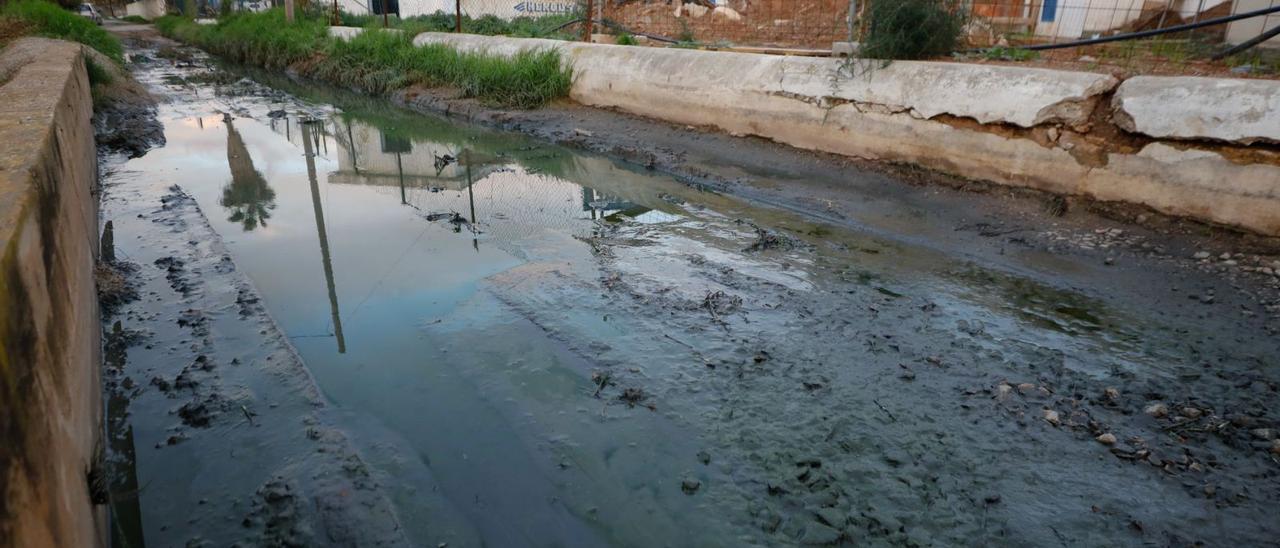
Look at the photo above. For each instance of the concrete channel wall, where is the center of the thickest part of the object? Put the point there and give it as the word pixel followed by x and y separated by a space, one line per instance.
pixel 1204 148
pixel 50 393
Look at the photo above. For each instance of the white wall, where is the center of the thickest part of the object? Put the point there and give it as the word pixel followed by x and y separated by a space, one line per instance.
pixel 505 9
pixel 1240 31
pixel 148 9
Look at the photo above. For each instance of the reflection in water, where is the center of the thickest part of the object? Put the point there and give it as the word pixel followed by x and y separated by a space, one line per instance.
pixel 249 198
pixel 309 151
pixel 122 471
pixel 439 162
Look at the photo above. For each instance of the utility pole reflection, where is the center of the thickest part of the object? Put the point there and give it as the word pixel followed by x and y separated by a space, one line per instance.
pixel 324 238
pixel 471 197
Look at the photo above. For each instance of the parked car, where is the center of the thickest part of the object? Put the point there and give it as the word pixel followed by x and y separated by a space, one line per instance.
pixel 90 12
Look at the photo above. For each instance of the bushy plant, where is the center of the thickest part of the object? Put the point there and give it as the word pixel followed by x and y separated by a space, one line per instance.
pixel 50 20
pixel 376 61
pixel 912 29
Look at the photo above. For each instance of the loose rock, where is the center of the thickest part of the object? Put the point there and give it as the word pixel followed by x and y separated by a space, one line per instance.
pixel 690 486
pixel 817 534
pixel 1157 410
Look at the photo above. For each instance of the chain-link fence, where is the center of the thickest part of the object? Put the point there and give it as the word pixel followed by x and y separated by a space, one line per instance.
pixel 781 24
pixel 1201 48
pixel 820 27
pixel 544 18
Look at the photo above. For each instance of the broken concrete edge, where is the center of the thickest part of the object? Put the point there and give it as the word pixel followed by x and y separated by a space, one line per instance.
pixel 1231 110
pixel 347 33
pixel 986 93
pixel 50 349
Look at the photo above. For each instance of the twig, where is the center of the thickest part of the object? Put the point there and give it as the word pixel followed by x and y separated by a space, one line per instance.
pixel 886 411
pixel 699 355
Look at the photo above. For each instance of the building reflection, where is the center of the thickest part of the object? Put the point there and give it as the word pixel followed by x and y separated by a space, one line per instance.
pixel 504 191
pixel 248 198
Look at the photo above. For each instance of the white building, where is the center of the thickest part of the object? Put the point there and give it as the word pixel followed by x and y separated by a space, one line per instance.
pixel 505 9
pixel 1074 19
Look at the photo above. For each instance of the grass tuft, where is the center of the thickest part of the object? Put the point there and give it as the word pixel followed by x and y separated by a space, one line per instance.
pixel 49 20
pixel 377 62
pixel 98 74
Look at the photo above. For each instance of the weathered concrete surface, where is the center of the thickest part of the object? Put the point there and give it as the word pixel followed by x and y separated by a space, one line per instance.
pixel 50 402
pixel 988 94
pixel 1032 129
pixel 347 33
pixel 1187 107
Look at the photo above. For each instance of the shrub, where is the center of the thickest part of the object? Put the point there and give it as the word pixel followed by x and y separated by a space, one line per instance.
pixel 912 29
pixel 135 19
pixel 48 19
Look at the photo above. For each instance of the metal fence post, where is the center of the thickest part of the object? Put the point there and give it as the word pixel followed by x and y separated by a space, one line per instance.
pixel 853 11
pixel 587 22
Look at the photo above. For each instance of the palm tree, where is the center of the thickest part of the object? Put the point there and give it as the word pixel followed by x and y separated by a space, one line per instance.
pixel 248 197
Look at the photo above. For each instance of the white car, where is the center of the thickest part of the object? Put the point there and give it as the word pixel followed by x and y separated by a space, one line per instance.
pixel 91 13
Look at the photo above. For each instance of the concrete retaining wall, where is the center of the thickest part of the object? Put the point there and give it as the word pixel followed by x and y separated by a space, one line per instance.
pixel 50 393
pixel 1195 147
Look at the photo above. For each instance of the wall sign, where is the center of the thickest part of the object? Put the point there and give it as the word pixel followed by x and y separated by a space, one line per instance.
pixel 544 8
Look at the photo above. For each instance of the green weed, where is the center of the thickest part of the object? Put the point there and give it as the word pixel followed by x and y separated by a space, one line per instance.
pixel 50 20
pixel 1005 53
pixel 98 74
pixel 377 62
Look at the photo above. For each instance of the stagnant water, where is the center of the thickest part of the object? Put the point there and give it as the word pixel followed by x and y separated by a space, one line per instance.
pixel 528 345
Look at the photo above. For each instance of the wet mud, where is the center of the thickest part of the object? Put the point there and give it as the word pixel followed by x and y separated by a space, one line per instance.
pixel 360 326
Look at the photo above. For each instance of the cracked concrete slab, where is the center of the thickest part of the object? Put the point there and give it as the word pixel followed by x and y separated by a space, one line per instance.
pixel 1019 96
pixel 1186 107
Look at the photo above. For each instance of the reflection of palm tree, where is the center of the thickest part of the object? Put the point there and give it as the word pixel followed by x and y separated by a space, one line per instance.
pixel 248 197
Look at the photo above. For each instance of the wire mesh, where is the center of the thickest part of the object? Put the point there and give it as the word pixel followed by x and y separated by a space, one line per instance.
pixel 803 24
pixel 1027 22
pixel 820 26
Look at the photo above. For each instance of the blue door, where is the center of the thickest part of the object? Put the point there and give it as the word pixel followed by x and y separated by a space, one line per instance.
pixel 1048 10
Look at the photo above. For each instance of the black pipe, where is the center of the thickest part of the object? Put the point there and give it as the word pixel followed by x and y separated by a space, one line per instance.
pixel 1152 32
pixel 1242 46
